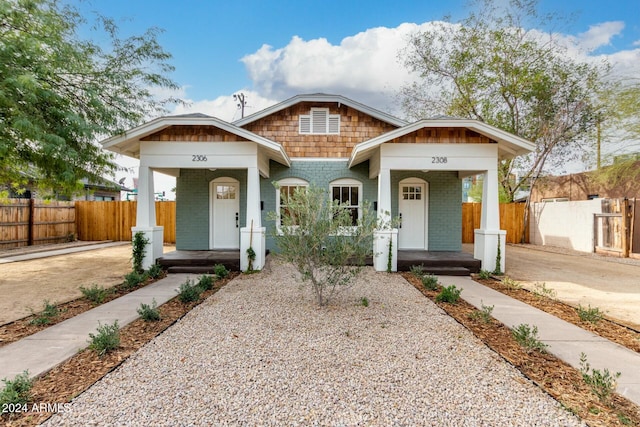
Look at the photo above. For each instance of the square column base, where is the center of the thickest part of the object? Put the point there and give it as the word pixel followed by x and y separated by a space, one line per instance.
pixel 485 248
pixel 381 240
pixel 154 248
pixel 257 242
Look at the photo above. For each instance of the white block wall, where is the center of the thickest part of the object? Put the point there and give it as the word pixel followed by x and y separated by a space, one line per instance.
pixel 564 224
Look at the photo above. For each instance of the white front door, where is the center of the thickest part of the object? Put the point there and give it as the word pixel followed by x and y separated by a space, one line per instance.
pixel 412 210
pixel 225 214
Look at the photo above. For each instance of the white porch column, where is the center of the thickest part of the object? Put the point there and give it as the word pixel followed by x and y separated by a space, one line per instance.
pixel 255 237
pixel 489 236
pixel 386 236
pixel 146 218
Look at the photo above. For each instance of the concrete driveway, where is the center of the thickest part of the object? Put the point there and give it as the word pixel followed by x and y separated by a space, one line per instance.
pixel 611 284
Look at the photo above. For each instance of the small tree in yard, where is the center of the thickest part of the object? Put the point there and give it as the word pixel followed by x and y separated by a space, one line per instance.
pixel 317 236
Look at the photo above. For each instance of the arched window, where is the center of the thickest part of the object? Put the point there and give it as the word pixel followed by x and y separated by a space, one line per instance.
pixel 287 187
pixel 349 193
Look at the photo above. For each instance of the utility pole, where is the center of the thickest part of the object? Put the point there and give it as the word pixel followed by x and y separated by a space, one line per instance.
pixel 599 148
pixel 241 103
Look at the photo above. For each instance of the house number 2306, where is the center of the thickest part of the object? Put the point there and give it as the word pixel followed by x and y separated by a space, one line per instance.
pixel 438 160
pixel 198 158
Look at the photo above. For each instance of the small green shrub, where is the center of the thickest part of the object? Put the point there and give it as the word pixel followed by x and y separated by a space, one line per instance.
pixel 16 391
pixel 602 383
pixel 590 314
pixel 149 313
pixel 417 270
pixel 49 311
pixel 510 283
pixel 364 301
pixel 133 279
pixel 483 314
pixel 541 290
pixel 96 294
pixel 449 294
pixel 484 274
pixel 527 337
pixel 220 271
pixel 155 271
pixel 107 339
pixel 205 282
pixel 429 281
pixel 189 292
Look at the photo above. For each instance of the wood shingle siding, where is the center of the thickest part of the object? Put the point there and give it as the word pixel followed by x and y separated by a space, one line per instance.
pixel 355 127
pixel 444 135
pixel 193 134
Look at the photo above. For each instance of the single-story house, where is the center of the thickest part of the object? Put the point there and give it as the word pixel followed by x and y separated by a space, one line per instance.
pixel 225 174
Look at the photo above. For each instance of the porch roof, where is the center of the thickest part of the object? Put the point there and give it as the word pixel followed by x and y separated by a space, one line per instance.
pixel 128 143
pixel 509 145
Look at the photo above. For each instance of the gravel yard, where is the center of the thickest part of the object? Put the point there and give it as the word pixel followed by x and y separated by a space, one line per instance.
pixel 259 352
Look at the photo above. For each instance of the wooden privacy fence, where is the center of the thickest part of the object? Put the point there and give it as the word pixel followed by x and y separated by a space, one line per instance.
pixel 511 220
pixel 26 222
pixel 113 220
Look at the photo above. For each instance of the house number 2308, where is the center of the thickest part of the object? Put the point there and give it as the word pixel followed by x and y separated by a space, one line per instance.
pixel 438 160
pixel 198 158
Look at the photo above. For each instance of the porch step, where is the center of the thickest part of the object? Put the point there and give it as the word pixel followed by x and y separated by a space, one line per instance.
pixel 199 262
pixel 440 263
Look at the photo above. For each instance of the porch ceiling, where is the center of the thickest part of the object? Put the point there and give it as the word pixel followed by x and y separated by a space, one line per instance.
pixel 509 145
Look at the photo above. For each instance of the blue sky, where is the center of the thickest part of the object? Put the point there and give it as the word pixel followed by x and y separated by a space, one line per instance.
pixel 272 50
pixel 209 39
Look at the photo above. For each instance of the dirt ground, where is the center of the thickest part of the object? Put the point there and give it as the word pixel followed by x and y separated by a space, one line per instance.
pixel 25 285
pixel 612 285
pixel 577 278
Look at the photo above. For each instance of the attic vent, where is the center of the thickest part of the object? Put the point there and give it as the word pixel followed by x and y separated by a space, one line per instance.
pixel 320 122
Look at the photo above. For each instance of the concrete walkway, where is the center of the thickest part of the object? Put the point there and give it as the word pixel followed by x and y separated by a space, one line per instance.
pixel 45 251
pixel 566 341
pixel 40 352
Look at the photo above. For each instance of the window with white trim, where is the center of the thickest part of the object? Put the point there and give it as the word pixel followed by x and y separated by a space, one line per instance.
pixel 319 122
pixel 286 189
pixel 348 192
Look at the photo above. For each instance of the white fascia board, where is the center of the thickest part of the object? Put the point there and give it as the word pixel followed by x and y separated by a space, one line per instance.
pixel 441 157
pixel 198 155
pixel 338 99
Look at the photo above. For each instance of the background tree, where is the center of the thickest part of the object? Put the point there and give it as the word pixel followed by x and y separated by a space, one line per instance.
pixel 489 67
pixel 316 235
pixel 59 93
pixel 618 135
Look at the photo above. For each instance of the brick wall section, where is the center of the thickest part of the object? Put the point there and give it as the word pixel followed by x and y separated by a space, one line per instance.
pixel 193 201
pixel 283 127
pixel 445 207
pixel 320 173
pixel 193 205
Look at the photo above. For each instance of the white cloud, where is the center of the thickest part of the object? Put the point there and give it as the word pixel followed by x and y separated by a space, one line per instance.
pixel 364 67
pixel 226 107
pixel 599 35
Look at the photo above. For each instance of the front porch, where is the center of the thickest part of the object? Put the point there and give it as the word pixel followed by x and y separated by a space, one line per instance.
pixel 435 262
